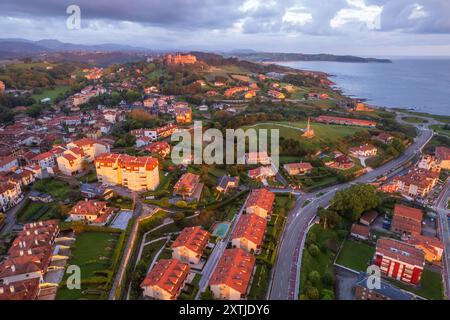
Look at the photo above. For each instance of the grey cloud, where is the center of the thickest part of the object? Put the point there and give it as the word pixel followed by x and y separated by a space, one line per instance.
pixel 165 13
pixel 396 16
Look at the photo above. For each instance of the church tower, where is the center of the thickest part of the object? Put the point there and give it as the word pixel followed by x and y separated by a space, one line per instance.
pixel 309 132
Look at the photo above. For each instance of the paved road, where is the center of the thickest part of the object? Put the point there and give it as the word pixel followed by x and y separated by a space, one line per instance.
pixel 443 212
pixel 11 216
pixel 285 281
pixel 217 253
pixel 138 210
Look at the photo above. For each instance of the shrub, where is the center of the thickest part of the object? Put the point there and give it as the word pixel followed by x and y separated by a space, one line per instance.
pixel 314 277
pixel 313 250
pixel 312 293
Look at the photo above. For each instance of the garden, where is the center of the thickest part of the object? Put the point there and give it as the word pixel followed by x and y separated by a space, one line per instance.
pixel 95 263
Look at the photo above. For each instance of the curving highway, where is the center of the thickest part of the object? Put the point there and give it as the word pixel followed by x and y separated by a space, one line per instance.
pixel 284 284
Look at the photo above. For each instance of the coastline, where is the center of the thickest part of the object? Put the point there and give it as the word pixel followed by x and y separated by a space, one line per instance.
pixel 342 91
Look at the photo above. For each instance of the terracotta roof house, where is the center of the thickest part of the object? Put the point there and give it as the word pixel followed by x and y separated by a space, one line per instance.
pixel 260 202
pixel 231 277
pixel 226 182
pixel 21 290
pixel 368 218
pixel 406 220
pixel 91 212
pixel 161 148
pixel 443 157
pixel 417 182
pixel 297 168
pixel 187 184
pixel 249 233
pixel 360 231
pixel 385 291
pixel 134 173
pixel 432 248
pixel 384 137
pixel 346 121
pixel 189 245
pixel 165 280
pixel 399 260
pixel 365 150
pixel 256 157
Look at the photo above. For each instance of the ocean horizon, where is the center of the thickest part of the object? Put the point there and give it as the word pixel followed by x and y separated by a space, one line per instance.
pixel 420 84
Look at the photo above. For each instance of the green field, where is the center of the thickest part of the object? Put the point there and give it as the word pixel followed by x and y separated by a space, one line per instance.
pixel 324 134
pixel 430 285
pixel 94 262
pixel 322 262
pixel 36 211
pixel 51 93
pixel 58 189
pixel 355 255
pixel 441 130
pixel 414 120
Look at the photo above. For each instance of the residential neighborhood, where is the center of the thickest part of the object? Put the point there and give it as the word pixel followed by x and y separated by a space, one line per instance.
pixel 89 179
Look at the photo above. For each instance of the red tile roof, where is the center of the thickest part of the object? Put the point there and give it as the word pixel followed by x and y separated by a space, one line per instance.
pixel 301 166
pixel 168 274
pixel 347 121
pixel 400 251
pixel 262 198
pixel 361 230
pixel 193 238
pixel 20 290
pixel 234 269
pixel 91 208
pixel 430 243
pixel 407 219
pixel 442 153
pixel 251 227
pixel 126 161
pixel 189 180
pixel 408 212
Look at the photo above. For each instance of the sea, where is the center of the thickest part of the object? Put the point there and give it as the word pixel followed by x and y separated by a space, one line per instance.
pixel 419 84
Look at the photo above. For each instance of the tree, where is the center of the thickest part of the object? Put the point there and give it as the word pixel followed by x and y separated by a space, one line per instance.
pixel 329 218
pixel 314 277
pixel 6 115
pixel 312 293
pixel 313 250
pixel 352 202
pixel 327 294
pixel 178 218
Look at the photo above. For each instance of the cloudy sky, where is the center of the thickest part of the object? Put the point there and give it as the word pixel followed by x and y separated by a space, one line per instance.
pixel 363 27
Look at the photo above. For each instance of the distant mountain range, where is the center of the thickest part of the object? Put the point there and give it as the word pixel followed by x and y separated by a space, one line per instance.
pixel 14 48
pixel 19 48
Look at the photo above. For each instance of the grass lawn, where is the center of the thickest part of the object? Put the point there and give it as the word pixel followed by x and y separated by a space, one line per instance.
pixel 324 134
pixel 34 211
pixel 90 177
pixel 51 93
pixel 322 262
pixel 441 130
pixel 320 182
pixel 414 120
pixel 92 252
pixel 430 285
pixel 58 189
pixel 355 255
pixel 121 202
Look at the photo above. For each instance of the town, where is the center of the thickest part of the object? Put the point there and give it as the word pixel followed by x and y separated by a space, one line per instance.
pixel 87 179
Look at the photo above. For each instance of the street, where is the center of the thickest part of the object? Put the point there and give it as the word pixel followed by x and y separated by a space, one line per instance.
pixel 283 286
pixel 443 212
